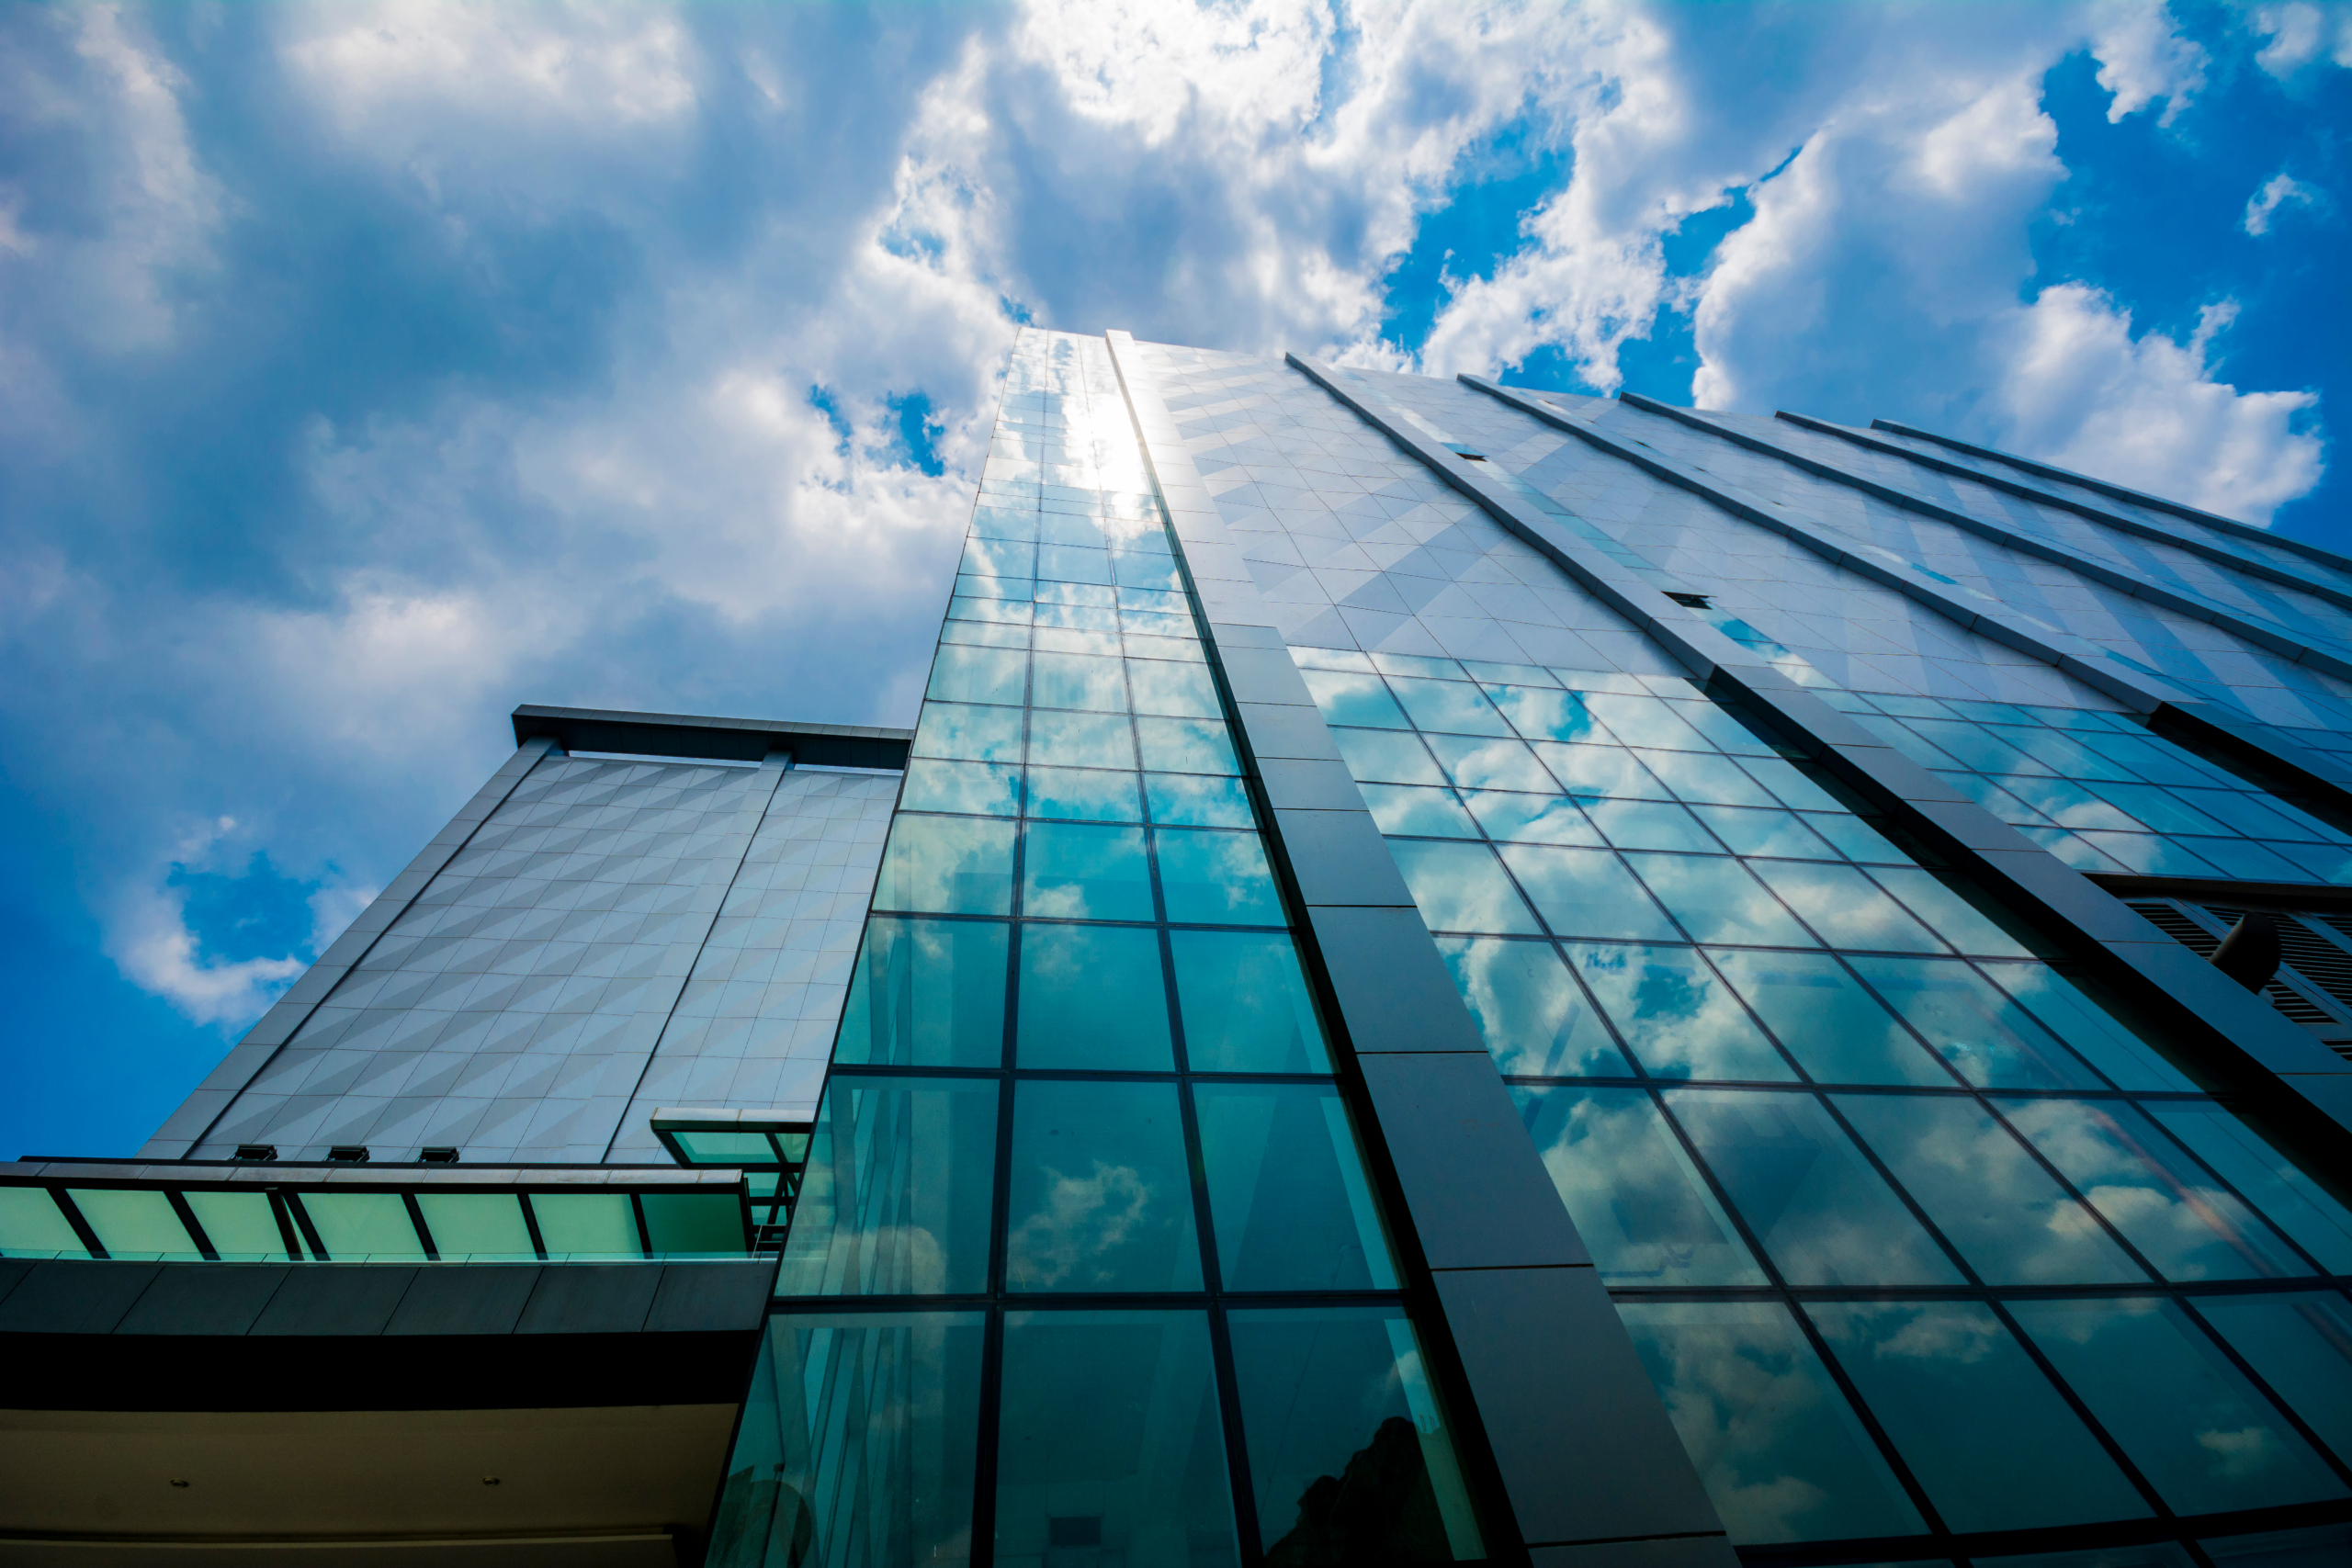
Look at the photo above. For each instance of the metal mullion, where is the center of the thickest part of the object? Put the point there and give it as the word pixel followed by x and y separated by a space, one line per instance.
pixel 531 1224
pixel 2342 1465
pixel 81 1226
pixel 2106 1225
pixel 1888 1453
pixel 423 1231
pixel 984 1449
pixel 1236 1455
pixel 1903 1194
pixel 294 1206
pixel 187 1220
pixel 2086 1062
pixel 2082 1410
pixel 2226 1185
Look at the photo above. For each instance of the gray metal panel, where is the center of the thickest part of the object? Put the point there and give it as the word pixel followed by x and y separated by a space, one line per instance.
pixel 736 739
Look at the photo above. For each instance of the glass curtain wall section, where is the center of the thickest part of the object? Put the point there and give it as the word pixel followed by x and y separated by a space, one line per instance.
pixel 1086 1267
pixel 1917 1239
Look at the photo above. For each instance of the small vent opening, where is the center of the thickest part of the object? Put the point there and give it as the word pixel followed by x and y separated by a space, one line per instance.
pixel 1689 601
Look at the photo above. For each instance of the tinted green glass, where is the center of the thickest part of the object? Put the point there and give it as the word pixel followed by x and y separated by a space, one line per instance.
pixel 926 994
pixel 2006 1213
pixel 1679 1021
pixel 240 1225
pixel 131 1221
pixel 978 789
pixel 1583 893
pixel 694 1222
pixel 2093 1032
pixel 880 1407
pixel 1245 1004
pixel 1382 756
pixel 1109 1445
pixel 1081 740
pixel 1981 1427
pixel 1781 1453
pixel 1529 1011
pixel 1182 746
pixel 1825 1216
pixel 482 1225
pixel 962 674
pixel 1461 887
pixel 1288 1194
pixel 1193 800
pixel 1530 819
pixel 1716 900
pixel 1354 699
pixel 1640 1205
pixel 1093 997
pixel 2321 1546
pixel 2300 1344
pixel 1838 1032
pixel 1209 879
pixel 1083 794
pixel 2177 1216
pixel 1101 1194
pixel 592 1225
pixel 896 1197
pixel 1845 909
pixel 1971 1023
pixel 362 1224
pixel 2291 1199
pixel 2203 1437
pixel 1349 1456
pixel 1085 873
pixel 947 866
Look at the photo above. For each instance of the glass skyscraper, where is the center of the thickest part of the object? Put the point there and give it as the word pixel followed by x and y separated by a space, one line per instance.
pixel 1447 973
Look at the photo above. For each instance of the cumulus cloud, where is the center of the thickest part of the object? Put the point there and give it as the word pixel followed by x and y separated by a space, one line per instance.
pixel 2083 393
pixel 2301 33
pixel 2280 189
pixel 151 940
pixel 2143 57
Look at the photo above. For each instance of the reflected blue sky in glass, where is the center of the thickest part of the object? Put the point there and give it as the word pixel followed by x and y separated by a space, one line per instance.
pixel 2300 1344
pixel 1287 1195
pixel 1585 893
pixel 1084 872
pixel 1716 900
pixel 1461 887
pixel 1102 1195
pixel 926 994
pixel 1093 997
pixel 947 866
pixel 1245 1004
pixel 1640 1206
pixel 1210 878
pixel 2292 1200
pixel 1676 1016
pixel 1529 1009
pixel 1837 1031
pixel 1973 1025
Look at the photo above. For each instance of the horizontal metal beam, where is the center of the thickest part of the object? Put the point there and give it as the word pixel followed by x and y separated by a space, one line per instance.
pixel 693 738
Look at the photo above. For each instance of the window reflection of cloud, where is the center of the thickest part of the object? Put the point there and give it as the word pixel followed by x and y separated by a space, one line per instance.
pixel 1636 1198
pixel 1460 887
pixel 1716 900
pixel 1539 714
pixel 1490 764
pixel 1080 1221
pixel 1535 1022
pixel 1600 770
pixel 1677 1016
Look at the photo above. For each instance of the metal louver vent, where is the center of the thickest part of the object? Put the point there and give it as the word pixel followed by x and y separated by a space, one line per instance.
pixel 2169 919
pixel 2315 957
pixel 2298 946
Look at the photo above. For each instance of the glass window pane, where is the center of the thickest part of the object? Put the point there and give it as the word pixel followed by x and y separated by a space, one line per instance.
pixel 135 1222
pixel 694 1222
pixel 1451 707
pixel 1180 746
pixel 2007 1215
pixel 1418 811
pixel 1085 873
pixel 1971 1023
pixel 1461 887
pixel 1781 1453
pixel 484 1224
pixel 1678 1019
pixel 1530 1011
pixel 1716 900
pixel 974 734
pixel 241 1225
pixel 2165 1205
pixel 897 1194
pixel 2301 1343
pixel 1173 688
pixel 1840 902
pixel 362 1224
pixel 1084 739
pixel 1822 1214
pixel 1543 715
pixel 947 864
pixel 1637 1201
pixel 1288 1194
pixel 1952 917
pixel 1245 1004
pixel 593 1224
pixel 723 1148
pixel 1349 1456
pixel 1531 818
pixel 1716 781
pixel 1110 1448
pixel 2322 1546
pixel 1194 800
pixel 1361 700
pixel 1985 1434
pixel 1078 681
pixel 1601 770
pixel 857 1445
pixel 1217 879
pixel 1790 785
pixel 1584 893
pixel 2096 1034
pixel 2205 1439
pixel 1488 763
pixel 927 994
pixel 1649 825
pixel 1383 756
pixel 1102 1196
pixel 1855 838
pixel 1644 721
pixel 1838 1032
pixel 1751 832
pixel 1083 794
pixel 976 789
pixel 1093 997
pixel 962 674
pixel 2288 1197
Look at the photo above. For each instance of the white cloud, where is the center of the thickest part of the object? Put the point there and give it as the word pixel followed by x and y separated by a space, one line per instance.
pixel 2279 190
pixel 2301 32
pixel 2082 392
pixel 2143 57
pixel 149 937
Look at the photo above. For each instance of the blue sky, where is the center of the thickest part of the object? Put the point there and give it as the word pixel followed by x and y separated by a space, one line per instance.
pixel 366 371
